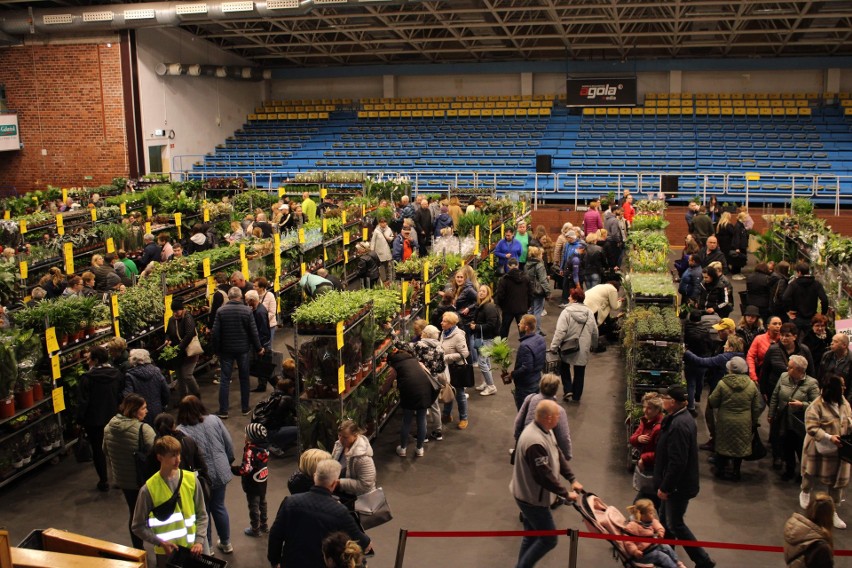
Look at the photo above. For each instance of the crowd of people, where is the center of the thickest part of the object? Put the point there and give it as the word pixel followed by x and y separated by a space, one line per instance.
pixel 780 357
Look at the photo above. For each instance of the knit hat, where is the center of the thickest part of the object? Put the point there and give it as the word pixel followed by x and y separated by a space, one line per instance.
pixel 177 304
pixel 256 432
pixel 738 366
pixel 751 311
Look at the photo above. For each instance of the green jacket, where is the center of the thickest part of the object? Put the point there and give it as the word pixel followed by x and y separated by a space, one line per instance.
pixel 121 440
pixel 786 390
pixel 738 401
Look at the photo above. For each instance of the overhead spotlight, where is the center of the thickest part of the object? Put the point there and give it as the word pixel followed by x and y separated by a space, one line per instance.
pixel 246 73
pixel 221 72
pixel 267 73
pixel 194 70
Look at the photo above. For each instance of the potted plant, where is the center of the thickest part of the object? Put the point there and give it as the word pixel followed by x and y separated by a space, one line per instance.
pixel 8 378
pixel 501 354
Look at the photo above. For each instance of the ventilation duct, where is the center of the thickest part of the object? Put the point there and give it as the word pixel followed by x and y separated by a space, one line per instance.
pixel 220 71
pixel 157 14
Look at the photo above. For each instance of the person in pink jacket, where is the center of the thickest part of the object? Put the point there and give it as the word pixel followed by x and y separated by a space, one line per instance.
pixel 760 345
pixel 644 523
pixel 592 220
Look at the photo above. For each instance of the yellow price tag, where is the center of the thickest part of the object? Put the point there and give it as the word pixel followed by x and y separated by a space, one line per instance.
pixel 427 293
pixel 303 268
pixel 60 223
pixel 122 207
pixel 491 260
pixel 68 248
pixel 276 240
pixel 341 379
pixel 205 263
pixel 476 236
pixel 24 270
pixel 113 300
pixel 346 257
pixel 7 215
pixel 301 236
pixel 404 294
pixel 149 211
pixel 364 234
pixel 502 230
pixel 64 195
pixel 277 287
pixel 178 220
pixel 116 327
pixel 205 215
pixel 167 315
pixel 346 238
pixel 323 192
pixel 343 216
pixel 324 254
pixel 245 269
pixel 324 226
pixel 340 335
pixel 281 191
pixel 94 213
pixel 23 225
pixel 55 368
pixel 426 271
pixel 147 227
pixel 110 244
pixel 58 396
pixel 50 340
pixel 363 210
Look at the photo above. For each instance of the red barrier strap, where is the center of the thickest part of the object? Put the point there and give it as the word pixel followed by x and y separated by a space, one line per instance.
pixel 598 536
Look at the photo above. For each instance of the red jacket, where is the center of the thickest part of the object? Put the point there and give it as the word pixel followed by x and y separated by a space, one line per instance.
pixel 629 212
pixel 756 353
pixel 648 450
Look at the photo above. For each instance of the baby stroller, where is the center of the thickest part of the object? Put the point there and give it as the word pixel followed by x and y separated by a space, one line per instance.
pixel 603 519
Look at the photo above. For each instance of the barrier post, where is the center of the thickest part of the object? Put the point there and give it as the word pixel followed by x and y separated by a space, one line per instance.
pixel 573 545
pixel 400 548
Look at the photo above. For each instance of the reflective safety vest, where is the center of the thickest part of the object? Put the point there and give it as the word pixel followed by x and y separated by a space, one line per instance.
pixel 179 528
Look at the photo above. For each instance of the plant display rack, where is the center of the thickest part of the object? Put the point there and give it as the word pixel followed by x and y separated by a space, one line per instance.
pixel 652 332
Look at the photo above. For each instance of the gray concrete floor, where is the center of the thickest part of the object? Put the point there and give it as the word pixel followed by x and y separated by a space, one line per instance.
pixel 461 484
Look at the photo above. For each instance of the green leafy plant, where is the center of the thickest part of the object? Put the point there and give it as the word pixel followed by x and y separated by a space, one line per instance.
pixel 169 352
pixel 802 206
pixel 499 352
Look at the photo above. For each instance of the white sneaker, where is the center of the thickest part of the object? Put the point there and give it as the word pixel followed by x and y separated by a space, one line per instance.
pixel 467 395
pixel 227 548
pixel 838 522
pixel 543 313
pixel 420 451
pixel 804 499
pixel 481 387
pixel 400 451
pixel 489 390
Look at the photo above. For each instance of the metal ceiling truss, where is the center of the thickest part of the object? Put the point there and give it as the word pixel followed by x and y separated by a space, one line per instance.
pixel 435 31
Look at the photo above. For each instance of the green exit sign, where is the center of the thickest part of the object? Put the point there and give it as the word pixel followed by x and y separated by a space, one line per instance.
pixel 8 129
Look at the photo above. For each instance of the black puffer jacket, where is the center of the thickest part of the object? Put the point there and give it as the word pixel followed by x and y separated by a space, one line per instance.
pixel 760 287
pixel 594 261
pixel 234 330
pixel 180 332
pixel 676 460
pixel 514 292
pixel 715 296
pixel 706 257
pixel 368 266
pixel 98 395
pixel 148 382
pixel 415 388
pixel 775 364
pixel 487 321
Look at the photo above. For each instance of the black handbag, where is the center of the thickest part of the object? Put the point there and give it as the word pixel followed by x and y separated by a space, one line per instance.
pixel 569 346
pixel 461 376
pixel 83 448
pixel 758 450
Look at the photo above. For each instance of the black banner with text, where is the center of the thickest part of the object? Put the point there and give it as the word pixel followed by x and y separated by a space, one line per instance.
pixel 605 91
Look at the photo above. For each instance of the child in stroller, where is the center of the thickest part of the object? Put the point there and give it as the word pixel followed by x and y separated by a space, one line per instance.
pixel 644 522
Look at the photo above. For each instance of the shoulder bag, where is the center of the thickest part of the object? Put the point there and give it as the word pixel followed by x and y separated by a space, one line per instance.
pixel 140 460
pixel 758 450
pixel 373 509
pixel 194 348
pixel 448 393
pixel 166 509
pixel 83 448
pixel 571 345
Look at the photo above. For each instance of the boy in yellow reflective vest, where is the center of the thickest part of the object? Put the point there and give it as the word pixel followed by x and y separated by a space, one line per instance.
pixel 170 508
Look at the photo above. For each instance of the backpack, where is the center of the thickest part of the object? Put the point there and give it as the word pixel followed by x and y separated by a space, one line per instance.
pixel 264 411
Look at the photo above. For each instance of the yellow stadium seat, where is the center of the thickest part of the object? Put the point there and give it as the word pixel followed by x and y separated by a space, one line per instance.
pixel 624 111
pixel 727 111
pixel 313 116
pixel 725 103
pixel 790 111
pixel 600 111
pixel 323 115
pixel 362 114
pixel 801 102
pixel 738 103
pixel 663 111
pixel 649 111
pixel 701 110
pixel 464 112
pixel 374 114
pixel 749 96
pixel 789 102
pixel 499 112
pixel 777 111
pixel 763 103
pixel 281 116
pixel 736 96
pixel 846 112
pixel 258 110
pixel 774 97
pixel 752 111
pixel 714 110
pixel 252 116
pixel 776 103
pixel 739 111
pixel 452 113
pixel 700 102
pixel 846 103
pixel 612 111
pixel 765 111
pixel 417 114
pixel 476 112
pixel 384 114
pixel 751 103
pixel 545 111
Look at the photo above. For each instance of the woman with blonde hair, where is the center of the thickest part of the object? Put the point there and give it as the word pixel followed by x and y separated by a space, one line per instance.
pixel 546 244
pixel 303 479
pixel 540 286
pixel 557 250
pixel 456 354
pixel 355 454
pixel 339 551
pixel 484 328
pixel 808 538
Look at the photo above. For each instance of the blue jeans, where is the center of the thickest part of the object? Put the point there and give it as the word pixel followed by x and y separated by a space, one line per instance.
pixel 662 556
pixel 219 514
pixel 575 387
pixel 462 400
pixel 671 515
pixel 283 437
pixel 407 417
pixel 534 548
pixel 485 364
pixel 522 392
pixel 694 383
pixel 226 365
pixel 536 309
pixel 592 280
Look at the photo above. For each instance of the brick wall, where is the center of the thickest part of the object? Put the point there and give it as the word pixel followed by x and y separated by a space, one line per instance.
pixel 69 102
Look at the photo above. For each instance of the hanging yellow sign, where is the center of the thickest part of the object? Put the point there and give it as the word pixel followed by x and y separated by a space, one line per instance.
pixel 147 227
pixel 178 220
pixel 281 191
pixel 340 335
pixel 55 368
pixel 426 271
pixel 323 192
pixel 476 236
pixel 60 224
pixel 24 270
pixel 205 263
pixel 68 248
pixel 122 208
pixel 205 215
pixel 23 226
pixel 404 294
pixel 244 261
pixel 301 236
pixel 149 211
pixel 7 215
pixel 113 300
pixel 50 340
pixel 324 226
pixel 303 268
pixel 94 213
pixel 364 234
pixel 58 396
pixel 341 379
pixel 346 238
pixel 343 217
pixel 167 314
pixel 110 244
pixel 64 195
